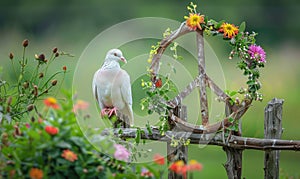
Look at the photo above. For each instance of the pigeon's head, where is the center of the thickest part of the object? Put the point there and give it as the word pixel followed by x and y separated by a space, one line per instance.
pixel 115 55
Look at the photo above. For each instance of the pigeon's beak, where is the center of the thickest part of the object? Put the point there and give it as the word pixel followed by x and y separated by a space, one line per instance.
pixel 123 60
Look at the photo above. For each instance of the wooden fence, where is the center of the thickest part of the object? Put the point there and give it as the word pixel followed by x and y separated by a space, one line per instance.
pixel 233 144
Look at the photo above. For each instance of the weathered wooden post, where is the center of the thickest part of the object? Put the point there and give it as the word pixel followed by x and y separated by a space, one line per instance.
pixel 234 163
pixel 273 130
pixel 179 152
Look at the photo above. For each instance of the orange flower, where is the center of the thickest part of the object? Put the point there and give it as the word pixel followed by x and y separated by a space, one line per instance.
pixel 35 173
pixel 51 102
pixel 194 21
pixel 80 104
pixel 179 167
pixel 51 130
pixel 194 165
pixel 159 159
pixel 69 155
pixel 229 30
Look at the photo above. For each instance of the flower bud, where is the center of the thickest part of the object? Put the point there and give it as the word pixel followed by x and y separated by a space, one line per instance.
pixel 54 82
pixel 54 50
pixel 42 57
pixel 9 100
pixel 4 139
pixel 41 75
pixel 64 68
pixel 100 168
pixel 30 107
pixel 35 90
pixel 11 56
pixel 32 119
pixel 25 85
pixel 8 109
pixel 25 43
pixel 56 54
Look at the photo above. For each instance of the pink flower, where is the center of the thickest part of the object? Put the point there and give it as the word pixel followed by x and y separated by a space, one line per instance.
pixel 146 173
pixel 121 153
pixel 257 53
pixel 80 104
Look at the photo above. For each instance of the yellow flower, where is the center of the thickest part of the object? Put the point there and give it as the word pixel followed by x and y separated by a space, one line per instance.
pixel 229 30
pixel 51 102
pixel 35 173
pixel 194 21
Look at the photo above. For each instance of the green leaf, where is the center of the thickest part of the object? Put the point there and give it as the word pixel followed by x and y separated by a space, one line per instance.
pixel 242 27
pixel 77 140
pixel 232 93
pixel 63 144
pixel 218 25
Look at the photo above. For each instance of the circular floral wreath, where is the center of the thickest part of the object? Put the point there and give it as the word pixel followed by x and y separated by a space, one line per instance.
pixel 252 58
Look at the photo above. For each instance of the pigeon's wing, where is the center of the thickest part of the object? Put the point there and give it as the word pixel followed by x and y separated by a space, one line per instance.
pixel 126 95
pixel 96 89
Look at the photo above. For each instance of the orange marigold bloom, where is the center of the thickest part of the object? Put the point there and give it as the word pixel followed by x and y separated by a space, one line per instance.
pixel 194 165
pixel 179 167
pixel 36 173
pixel 159 159
pixel 194 21
pixel 51 102
pixel 51 130
pixel 229 30
pixel 80 104
pixel 69 155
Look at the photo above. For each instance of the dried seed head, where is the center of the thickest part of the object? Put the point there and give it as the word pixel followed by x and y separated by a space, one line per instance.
pixel 54 82
pixel 56 54
pixel 30 107
pixel 11 56
pixel 25 43
pixel 54 50
pixel 41 75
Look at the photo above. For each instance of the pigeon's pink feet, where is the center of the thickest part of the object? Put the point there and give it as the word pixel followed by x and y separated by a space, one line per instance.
pixel 108 111
pixel 112 111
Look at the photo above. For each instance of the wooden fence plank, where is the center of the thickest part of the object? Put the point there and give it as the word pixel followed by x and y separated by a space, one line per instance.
pixel 273 130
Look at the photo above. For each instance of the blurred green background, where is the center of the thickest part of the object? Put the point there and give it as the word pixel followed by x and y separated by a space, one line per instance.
pixel 72 24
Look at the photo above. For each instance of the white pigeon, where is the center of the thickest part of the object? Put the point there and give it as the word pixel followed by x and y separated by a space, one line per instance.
pixel 111 86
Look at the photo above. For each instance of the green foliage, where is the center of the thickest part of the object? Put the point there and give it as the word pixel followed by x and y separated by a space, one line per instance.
pixel 35 147
pixel 31 84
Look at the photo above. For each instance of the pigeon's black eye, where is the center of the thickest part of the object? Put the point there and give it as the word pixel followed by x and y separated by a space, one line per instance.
pixel 115 54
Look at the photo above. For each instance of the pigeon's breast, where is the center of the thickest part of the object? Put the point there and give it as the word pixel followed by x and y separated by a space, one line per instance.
pixel 106 81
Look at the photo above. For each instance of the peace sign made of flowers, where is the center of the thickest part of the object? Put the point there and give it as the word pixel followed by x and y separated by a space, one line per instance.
pixel 252 58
